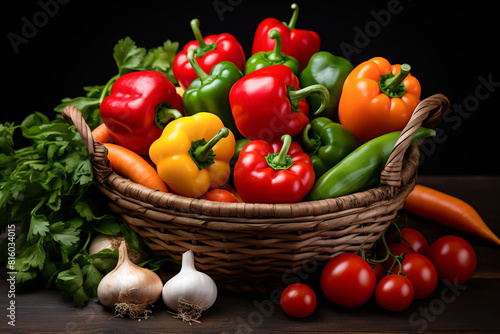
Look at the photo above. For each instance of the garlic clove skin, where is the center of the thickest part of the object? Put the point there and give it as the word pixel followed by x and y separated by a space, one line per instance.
pixel 190 285
pixel 102 241
pixel 129 284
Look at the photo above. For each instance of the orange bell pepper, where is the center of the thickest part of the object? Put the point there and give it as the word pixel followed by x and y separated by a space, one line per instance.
pixel 378 98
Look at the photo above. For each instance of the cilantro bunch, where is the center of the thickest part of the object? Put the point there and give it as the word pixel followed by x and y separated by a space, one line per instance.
pixel 47 192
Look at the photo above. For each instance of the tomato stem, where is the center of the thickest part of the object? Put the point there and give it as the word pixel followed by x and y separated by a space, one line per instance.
pixel 398 238
pixel 387 251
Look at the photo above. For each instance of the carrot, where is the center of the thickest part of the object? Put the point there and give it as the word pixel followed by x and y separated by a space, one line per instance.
pixel 101 134
pixel 447 210
pixel 131 165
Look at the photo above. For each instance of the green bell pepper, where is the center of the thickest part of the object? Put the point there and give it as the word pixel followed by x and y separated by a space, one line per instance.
pixel 238 146
pixel 330 71
pixel 273 57
pixel 210 92
pixel 327 143
pixel 362 167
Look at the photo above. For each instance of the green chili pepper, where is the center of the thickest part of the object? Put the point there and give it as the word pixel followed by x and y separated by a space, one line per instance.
pixel 273 57
pixel 361 167
pixel 210 92
pixel 330 71
pixel 327 143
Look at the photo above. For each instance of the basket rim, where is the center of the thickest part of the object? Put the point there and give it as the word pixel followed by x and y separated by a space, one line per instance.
pixel 158 199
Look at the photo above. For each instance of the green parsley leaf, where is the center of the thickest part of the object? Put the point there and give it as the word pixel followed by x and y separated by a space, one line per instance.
pixel 127 54
pixel 92 279
pixel 70 282
pixel 39 225
pixel 33 256
pixel 161 59
pixel 105 260
pixel 6 138
pixel 64 234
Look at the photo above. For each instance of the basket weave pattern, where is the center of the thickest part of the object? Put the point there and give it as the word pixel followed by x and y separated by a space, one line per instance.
pixel 247 246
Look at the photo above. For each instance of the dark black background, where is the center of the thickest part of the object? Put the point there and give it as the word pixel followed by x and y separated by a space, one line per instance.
pixel 451 46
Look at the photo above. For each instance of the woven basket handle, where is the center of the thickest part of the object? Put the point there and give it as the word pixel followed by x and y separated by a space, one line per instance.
pixel 436 106
pixel 98 153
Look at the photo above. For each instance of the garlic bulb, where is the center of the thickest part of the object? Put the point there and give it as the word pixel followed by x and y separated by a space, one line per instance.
pixel 190 292
pixel 129 288
pixel 102 241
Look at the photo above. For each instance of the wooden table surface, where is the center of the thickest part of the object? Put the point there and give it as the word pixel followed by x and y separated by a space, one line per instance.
pixel 471 308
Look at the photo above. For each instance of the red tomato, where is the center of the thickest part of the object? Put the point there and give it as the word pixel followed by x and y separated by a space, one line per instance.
pixel 421 273
pixel 348 280
pixel 396 250
pixel 412 238
pixel 298 300
pixel 454 259
pixel 220 195
pixel 394 293
pixel 232 191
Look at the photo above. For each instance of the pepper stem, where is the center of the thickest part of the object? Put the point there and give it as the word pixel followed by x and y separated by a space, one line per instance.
pixel 275 55
pixel 394 82
pixel 296 95
pixel 164 114
pixel 201 153
pixel 195 27
pixel 203 47
pixel 281 160
pixel 196 67
pixel 308 144
pixel 295 16
pixel 392 85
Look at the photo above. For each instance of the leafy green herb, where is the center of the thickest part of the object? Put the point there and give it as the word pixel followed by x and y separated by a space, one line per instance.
pixel 47 189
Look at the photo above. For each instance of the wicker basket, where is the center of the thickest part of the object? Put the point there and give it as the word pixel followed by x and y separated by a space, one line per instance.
pixel 249 247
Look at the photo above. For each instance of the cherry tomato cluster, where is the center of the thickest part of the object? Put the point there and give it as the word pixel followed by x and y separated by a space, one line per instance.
pixel 403 268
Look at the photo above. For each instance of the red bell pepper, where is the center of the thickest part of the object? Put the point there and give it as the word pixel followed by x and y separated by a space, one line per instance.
pixel 298 43
pixel 210 50
pixel 275 172
pixel 139 106
pixel 268 103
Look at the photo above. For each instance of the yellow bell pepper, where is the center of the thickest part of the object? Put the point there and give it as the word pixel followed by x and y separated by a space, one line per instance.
pixel 193 153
